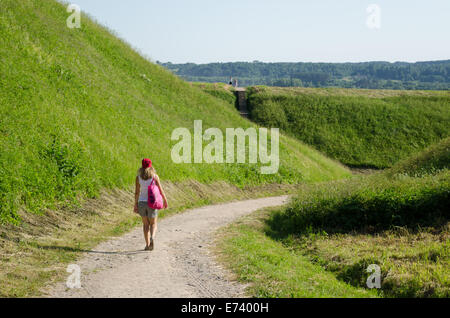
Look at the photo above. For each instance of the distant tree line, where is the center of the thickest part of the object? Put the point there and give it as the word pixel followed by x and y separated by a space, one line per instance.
pixel 399 75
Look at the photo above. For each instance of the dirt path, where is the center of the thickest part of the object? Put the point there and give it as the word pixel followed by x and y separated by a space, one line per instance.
pixel 180 265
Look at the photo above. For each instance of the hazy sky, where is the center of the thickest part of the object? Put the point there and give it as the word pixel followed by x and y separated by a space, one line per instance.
pixel 203 31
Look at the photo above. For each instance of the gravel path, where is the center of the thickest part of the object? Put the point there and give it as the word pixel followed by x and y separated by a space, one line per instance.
pixel 180 266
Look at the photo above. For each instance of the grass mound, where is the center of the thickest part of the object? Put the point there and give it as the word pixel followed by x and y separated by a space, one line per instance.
pixel 79 109
pixel 368 205
pixel 360 128
pixel 273 270
pixel 430 161
pixel 395 197
pixel 412 264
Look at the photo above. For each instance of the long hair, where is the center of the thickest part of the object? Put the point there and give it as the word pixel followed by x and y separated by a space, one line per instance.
pixel 147 173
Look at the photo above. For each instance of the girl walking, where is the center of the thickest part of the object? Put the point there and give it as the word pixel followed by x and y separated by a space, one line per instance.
pixel 146 175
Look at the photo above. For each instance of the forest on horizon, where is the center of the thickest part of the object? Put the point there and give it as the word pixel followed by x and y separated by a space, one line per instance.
pixel 432 75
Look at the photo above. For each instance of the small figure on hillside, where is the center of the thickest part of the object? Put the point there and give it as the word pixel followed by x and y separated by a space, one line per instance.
pixel 231 81
pixel 235 82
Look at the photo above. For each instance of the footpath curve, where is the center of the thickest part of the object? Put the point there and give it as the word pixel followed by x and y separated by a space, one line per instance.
pixel 180 266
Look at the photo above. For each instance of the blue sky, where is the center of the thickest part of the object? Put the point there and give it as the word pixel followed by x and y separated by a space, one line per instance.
pixel 203 31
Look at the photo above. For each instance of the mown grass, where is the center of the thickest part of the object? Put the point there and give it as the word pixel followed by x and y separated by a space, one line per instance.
pixel 79 108
pixel 360 128
pixel 273 270
pixel 398 219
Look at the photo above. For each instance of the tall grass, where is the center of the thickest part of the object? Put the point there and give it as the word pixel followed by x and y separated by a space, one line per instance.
pixel 368 205
pixel 79 109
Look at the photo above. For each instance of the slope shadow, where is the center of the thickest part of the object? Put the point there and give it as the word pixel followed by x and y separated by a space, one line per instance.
pixel 79 250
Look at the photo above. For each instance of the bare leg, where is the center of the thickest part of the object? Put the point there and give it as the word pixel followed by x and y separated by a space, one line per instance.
pixel 146 228
pixel 153 227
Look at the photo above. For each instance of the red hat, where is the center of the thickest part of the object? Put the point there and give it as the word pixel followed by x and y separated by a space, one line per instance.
pixel 146 163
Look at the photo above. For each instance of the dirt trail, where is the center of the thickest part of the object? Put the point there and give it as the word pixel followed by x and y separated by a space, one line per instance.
pixel 180 265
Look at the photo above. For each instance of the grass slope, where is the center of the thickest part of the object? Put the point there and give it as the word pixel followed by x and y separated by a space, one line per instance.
pixel 398 219
pixel 79 108
pixel 361 128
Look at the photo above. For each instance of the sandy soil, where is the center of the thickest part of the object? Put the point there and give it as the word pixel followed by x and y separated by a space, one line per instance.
pixel 182 264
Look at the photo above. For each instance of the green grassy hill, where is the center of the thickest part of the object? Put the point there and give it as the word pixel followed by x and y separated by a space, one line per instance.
pixel 430 161
pixel 79 109
pixel 360 128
